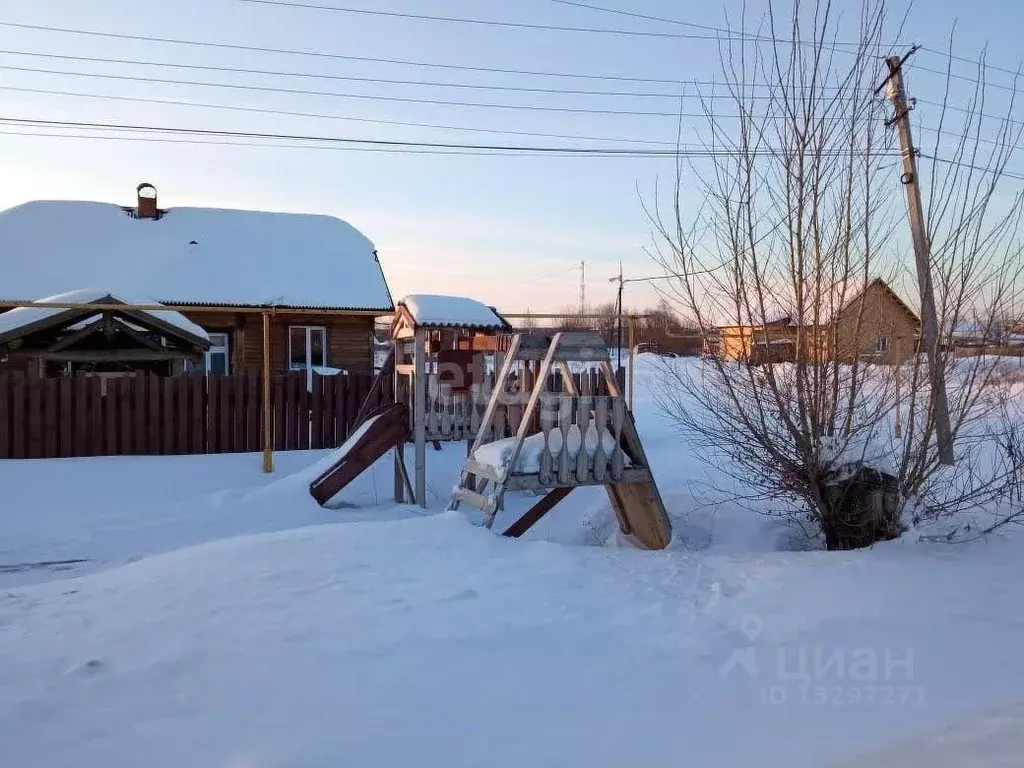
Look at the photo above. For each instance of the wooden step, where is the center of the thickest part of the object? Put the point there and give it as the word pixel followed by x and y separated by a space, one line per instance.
pixel 483 470
pixel 475 500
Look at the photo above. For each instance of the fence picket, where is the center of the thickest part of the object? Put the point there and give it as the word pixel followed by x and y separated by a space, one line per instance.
pixel 140 408
pixel 224 405
pixel 253 411
pixel 198 414
pixel 153 390
pixel 35 417
pixel 304 414
pixel 316 413
pixel 123 416
pixel 291 387
pixel 280 420
pixel 18 447
pixel 167 401
pixel 237 385
pixel 5 418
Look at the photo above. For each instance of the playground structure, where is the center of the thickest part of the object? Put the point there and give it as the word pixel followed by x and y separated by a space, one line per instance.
pixel 563 441
pixel 529 436
pixel 440 346
pixel 438 368
pixel 378 433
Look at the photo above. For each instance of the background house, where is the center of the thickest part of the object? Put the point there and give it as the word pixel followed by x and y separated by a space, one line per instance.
pixel 321 272
pixel 774 341
pixel 875 325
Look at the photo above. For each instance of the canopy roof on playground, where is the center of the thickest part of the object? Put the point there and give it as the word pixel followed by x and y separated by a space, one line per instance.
pixel 433 311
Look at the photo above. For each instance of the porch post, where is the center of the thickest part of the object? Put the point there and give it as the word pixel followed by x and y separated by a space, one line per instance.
pixel 268 415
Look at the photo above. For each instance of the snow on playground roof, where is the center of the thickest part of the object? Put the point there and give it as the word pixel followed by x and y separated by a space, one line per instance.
pixel 199 256
pixel 452 312
pixel 23 317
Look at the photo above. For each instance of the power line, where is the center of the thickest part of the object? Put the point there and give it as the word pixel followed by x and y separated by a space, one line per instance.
pixel 399 123
pixel 972 167
pixel 373 97
pixel 968 60
pixel 967 78
pixel 200 142
pixel 378 80
pixel 359 142
pixel 415 124
pixel 328 116
pixel 372 59
pixel 438 65
pixel 634 15
pixel 487 22
pixel 414 148
pixel 720 31
pixel 581 151
pixel 338 94
pixel 665 20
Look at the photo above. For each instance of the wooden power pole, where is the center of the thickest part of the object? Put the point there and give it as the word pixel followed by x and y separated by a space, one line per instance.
pixel 922 256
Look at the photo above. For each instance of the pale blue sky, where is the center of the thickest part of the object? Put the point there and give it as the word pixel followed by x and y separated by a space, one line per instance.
pixel 509 230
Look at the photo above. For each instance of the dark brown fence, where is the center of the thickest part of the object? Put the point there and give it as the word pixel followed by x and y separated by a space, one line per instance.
pixel 49 418
pixel 151 415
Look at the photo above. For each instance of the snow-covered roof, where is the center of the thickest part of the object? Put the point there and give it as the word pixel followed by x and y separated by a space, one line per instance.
pixel 23 317
pixel 783 319
pixel 451 312
pixel 196 256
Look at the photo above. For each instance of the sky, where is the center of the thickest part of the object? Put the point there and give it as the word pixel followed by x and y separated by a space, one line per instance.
pixel 509 230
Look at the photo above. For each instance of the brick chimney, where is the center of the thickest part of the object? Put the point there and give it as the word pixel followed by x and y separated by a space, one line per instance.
pixel 146 202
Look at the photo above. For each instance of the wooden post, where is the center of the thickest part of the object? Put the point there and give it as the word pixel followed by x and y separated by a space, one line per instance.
pixel 922 256
pixel 400 396
pixel 632 346
pixel 268 426
pixel 419 420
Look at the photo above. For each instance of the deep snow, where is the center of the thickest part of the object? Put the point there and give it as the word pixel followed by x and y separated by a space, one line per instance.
pixel 255 629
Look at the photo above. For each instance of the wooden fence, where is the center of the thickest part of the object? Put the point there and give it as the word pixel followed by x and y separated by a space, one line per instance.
pixel 151 415
pixel 138 415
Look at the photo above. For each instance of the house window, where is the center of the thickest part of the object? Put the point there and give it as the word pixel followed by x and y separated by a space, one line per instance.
pixel 217 357
pixel 307 348
pixel 882 344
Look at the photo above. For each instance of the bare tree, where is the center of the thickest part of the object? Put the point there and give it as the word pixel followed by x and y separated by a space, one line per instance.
pixel 800 215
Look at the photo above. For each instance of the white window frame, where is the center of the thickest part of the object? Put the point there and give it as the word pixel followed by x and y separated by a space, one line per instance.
pixel 310 363
pixel 882 345
pixel 216 349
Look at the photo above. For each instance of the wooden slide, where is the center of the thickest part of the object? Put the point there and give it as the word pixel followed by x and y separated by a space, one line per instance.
pixel 381 431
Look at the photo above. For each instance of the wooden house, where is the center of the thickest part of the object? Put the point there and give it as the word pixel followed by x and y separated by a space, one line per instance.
pixel 773 341
pixel 218 267
pixel 875 325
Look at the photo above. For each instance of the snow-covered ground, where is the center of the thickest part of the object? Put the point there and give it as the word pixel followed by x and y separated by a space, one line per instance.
pixel 218 617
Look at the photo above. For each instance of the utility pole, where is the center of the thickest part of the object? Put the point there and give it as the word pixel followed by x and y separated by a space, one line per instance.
pixel 583 288
pixel 922 255
pixel 618 314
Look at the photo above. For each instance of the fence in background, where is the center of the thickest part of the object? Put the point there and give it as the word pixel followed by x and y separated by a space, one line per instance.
pixel 147 415
pixel 153 415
